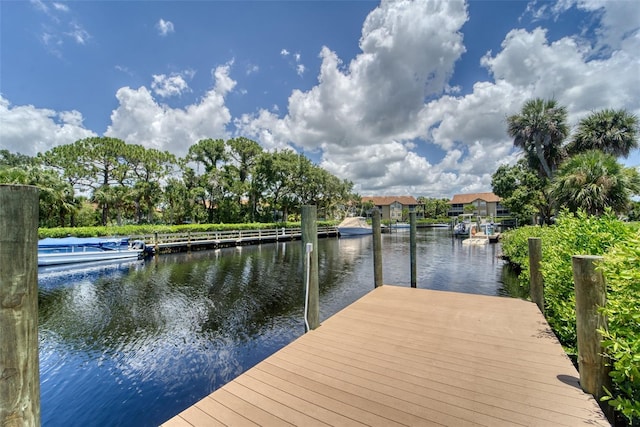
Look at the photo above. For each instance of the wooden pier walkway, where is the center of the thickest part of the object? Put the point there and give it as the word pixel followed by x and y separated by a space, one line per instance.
pixel 172 242
pixel 411 357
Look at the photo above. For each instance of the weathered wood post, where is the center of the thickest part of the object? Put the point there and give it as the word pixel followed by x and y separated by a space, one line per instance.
pixel 536 286
pixel 19 365
pixel 310 265
pixel 156 245
pixel 377 249
pixel 412 247
pixel 591 294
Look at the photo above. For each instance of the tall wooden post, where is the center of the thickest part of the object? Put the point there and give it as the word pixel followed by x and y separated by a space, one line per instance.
pixel 310 265
pixel 156 245
pixel 536 286
pixel 19 366
pixel 412 247
pixel 591 294
pixel 377 249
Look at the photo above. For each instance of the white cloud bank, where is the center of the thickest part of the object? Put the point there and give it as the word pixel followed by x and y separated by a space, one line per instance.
pixel 140 119
pixel 28 130
pixel 373 119
pixel 370 120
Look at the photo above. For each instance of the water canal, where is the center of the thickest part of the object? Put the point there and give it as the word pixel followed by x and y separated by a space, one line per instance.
pixel 133 344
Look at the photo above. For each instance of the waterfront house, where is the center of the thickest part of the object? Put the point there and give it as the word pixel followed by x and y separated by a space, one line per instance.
pixel 484 204
pixel 391 207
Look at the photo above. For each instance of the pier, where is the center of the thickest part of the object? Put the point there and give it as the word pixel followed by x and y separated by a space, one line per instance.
pixel 404 356
pixel 186 241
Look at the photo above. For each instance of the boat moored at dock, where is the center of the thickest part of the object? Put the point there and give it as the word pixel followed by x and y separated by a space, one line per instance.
pixel 354 226
pixel 71 250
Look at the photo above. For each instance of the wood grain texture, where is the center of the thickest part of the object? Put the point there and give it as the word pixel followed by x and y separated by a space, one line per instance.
pixel 402 356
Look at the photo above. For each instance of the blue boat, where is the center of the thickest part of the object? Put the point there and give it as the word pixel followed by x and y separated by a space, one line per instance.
pixel 71 250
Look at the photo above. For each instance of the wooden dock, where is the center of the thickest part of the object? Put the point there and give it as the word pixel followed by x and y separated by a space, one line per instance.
pixel 186 241
pixel 411 357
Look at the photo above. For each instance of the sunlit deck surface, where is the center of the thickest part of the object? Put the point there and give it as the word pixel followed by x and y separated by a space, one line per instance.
pixel 402 356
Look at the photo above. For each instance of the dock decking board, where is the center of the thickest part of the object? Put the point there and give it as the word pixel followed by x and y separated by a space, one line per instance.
pixel 402 356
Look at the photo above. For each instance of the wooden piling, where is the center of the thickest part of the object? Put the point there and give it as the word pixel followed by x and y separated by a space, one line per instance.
pixel 412 248
pixel 19 365
pixel 377 249
pixel 310 235
pixel 536 285
pixel 156 246
pixel 591 294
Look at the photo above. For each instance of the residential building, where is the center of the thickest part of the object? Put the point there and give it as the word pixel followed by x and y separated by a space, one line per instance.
pixel 392 207
pixel 485 205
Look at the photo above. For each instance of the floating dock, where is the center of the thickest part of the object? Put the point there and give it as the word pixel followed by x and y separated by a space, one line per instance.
pixel 411 357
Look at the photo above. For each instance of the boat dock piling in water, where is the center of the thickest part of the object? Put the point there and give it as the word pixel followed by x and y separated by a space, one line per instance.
pixel 310 243
pixel 396 355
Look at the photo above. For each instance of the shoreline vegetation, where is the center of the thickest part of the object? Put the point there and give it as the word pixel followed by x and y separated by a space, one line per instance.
pixel 619 244
pixel 136 230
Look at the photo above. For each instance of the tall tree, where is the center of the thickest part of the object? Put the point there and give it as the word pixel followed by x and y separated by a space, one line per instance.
pixel 613 132
pixel 208 153
pixel 540 130
pixel 275 174
pixel 522 191
pixel 244 154
pixel 8 158
pixel 148 167
pixel 593 181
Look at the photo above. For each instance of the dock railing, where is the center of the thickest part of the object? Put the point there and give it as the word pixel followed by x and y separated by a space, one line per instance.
pixel 191 239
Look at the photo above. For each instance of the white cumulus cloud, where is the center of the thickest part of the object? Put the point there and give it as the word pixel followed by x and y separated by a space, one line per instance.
pixel 167 86
pixel 164 27
pixel 140 119
pixel 29 130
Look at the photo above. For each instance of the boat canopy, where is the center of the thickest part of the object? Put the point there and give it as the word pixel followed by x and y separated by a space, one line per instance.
pixel 98 242
pixel 354 221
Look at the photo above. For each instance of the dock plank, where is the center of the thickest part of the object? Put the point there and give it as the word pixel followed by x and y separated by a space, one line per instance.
pixel 402 356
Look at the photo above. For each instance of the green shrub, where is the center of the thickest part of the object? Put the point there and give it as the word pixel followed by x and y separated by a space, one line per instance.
pixel 574 234
pixel 138 230
pixel 621 270
pixel 619 243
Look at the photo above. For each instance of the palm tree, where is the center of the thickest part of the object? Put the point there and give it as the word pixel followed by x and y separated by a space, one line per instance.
pixel 593 181
pixel 539 130
pixel 611 131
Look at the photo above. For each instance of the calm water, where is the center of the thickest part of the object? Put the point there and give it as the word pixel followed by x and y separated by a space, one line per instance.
pixel 133 344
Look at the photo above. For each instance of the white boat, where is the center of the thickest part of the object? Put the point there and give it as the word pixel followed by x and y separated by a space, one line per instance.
pixel 400 226
pixel 354 226
pixel 463 227
pixel 71 250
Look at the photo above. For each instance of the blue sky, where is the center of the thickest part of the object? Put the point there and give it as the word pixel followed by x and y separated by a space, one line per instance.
pixel 400 97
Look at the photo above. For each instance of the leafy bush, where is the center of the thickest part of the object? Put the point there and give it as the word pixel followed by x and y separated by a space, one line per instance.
pixel 619 243
pixel 138 230
pixel 577 234
pixel 622 342
pixel 515 247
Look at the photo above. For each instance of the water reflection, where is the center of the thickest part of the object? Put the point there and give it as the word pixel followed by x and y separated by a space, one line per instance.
pixel 134 343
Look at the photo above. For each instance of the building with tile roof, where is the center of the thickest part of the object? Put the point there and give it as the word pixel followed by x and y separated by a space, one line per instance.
pixel 485 205
pixel 392 207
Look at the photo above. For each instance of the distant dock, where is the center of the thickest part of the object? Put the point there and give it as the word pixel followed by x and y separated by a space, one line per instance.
pixel 177 242
pixel 403 356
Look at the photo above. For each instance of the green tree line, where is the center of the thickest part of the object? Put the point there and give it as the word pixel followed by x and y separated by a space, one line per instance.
pixel 576 171
pixel 102 181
